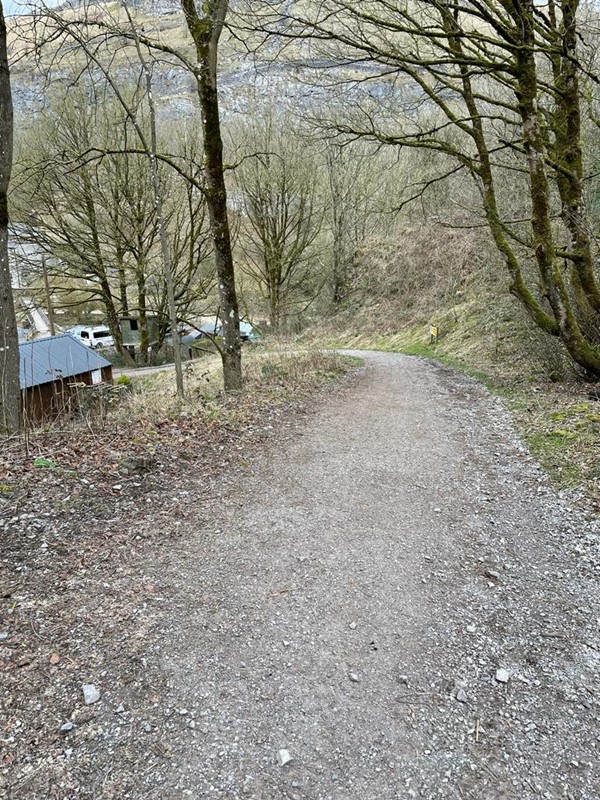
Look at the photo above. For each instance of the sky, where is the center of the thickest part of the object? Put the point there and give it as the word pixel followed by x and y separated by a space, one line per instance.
pixel 10 7
pixel 21 6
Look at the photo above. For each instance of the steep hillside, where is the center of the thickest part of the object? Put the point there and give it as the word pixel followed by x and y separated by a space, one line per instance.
pixel 451 279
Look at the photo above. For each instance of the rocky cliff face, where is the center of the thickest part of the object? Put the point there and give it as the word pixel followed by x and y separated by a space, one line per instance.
pixel 247 80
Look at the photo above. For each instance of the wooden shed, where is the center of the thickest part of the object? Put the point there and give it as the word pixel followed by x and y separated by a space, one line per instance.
pixel 50 370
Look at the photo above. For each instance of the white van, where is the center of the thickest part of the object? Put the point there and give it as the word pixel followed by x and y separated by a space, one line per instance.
pixel 96 336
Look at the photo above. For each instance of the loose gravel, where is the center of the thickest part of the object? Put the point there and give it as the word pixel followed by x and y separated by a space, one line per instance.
pixel 396 604
pixel 388 601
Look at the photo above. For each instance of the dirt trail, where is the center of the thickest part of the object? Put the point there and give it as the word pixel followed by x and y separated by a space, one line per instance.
pixel 353 598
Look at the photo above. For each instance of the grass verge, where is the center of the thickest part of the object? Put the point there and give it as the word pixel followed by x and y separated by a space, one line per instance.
pixel 151 432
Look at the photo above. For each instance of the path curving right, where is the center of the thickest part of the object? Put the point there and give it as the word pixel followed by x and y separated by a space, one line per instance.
pixel 394 595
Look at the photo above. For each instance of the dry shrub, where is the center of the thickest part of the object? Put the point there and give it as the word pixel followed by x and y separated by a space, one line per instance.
pixel 424 270
pixel 154 397
pixel 550 354
pixel 280 371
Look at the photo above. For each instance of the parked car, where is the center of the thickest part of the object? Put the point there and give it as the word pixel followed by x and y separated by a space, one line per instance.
pixel 192 337
pixel 212 330
pixel 248 332
pixel 94 336
pixel 187 335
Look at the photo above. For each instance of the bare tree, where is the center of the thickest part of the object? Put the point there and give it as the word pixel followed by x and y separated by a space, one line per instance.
pixel 67 203
pixel 282 215
pixel 496 88
pixel 150 146
pixel 354 181
pixel 95 213
pixel 93 28
pixel 10 395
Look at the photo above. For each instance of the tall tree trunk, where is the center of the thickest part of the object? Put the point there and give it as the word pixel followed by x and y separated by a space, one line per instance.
pixel 274 310
pixel 142 312
pixel 338 231
pixel 120 258
pixel 10 395
pixel 206 31
pixel 549 265
pixel 568 154
pixel 340 262
pixel 112 318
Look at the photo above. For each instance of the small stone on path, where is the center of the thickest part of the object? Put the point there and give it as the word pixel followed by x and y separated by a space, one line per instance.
pixel 502 675
pixel 91 693
pixel 461 696
pixel 283 757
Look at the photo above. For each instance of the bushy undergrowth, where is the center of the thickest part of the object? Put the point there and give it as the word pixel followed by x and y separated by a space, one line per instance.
pixel 278 374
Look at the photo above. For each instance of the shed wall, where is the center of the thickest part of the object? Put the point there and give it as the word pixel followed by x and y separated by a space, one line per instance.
pixel 48 400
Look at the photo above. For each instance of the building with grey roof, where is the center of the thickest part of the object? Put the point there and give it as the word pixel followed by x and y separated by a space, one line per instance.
pixel 51 369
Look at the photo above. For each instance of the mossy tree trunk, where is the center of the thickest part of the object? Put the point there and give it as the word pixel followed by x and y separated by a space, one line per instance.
pixel 10 394
pixel 205 27
pixel 501 85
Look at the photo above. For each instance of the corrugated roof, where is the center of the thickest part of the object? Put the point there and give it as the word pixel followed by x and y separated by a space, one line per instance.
pixel 47 360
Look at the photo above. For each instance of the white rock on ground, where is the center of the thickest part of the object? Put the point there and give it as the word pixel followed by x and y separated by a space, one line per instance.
pixel 91 694
pixel 283 757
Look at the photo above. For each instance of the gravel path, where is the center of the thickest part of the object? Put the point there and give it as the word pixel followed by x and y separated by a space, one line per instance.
pixel 353 598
